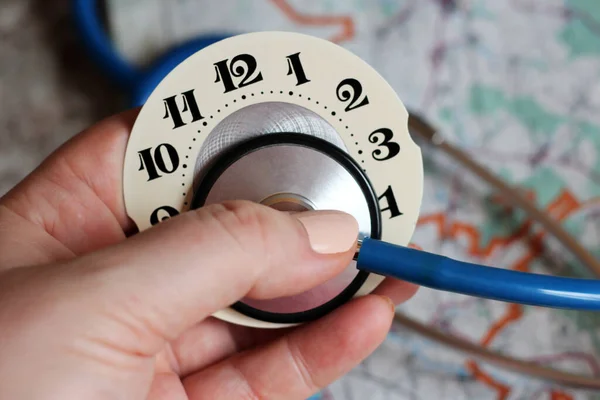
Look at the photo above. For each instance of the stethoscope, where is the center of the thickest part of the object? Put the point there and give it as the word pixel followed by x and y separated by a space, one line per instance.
pixel 386 259
pixel 137 82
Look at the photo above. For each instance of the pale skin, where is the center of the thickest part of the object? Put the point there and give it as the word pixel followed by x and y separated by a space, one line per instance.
pixel 90 309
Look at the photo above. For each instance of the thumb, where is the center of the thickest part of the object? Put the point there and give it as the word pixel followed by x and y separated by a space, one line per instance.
pixel 112 310
pixel 153 286
pixel 202 261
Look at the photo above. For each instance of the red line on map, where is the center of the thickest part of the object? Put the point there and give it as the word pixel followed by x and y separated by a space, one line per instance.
pixel 345 21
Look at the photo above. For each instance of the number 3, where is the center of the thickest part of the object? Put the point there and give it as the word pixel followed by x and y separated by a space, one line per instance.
pixel 393 148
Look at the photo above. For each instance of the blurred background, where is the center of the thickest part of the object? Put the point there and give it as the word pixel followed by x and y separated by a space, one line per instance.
pixel 516 83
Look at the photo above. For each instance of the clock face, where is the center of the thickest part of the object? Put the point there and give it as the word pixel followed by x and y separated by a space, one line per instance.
pixel 369 120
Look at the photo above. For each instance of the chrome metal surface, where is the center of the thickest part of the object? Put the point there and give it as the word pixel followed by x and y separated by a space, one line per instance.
pixel 296 170
pixel 260 119
pixel 286 177
pixel 291 202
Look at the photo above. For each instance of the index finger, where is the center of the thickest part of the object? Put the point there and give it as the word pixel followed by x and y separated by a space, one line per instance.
pixel 76 194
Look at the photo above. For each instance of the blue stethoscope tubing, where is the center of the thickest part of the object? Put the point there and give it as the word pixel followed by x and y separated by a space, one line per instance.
pixel 138 82
pixel 422 268
pixel 443 273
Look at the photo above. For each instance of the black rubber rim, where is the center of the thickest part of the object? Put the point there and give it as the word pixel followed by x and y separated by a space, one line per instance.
pixel 299 139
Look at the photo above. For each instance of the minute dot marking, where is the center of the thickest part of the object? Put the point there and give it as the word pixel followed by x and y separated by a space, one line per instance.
pixel 333 113
pixel 291 93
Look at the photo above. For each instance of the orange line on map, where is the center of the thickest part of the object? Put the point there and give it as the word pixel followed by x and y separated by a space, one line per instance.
pixel 502 390
pixel 556 395
pixel 560 208
pixel 346 21
pixel 513 314
pixel 457 229
pixel 564 202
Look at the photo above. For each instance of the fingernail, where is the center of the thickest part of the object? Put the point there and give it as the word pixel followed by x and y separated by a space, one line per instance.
pixel 329 232
pixel 390 302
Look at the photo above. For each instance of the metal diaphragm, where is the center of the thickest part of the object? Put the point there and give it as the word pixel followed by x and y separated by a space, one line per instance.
pixel 289 171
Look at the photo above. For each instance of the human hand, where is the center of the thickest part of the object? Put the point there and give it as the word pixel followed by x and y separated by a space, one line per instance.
pixel 90 311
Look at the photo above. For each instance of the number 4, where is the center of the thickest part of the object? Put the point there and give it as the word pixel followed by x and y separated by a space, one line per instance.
pixel 392 205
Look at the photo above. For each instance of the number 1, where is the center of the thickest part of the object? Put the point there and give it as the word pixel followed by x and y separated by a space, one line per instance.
pixel 295 67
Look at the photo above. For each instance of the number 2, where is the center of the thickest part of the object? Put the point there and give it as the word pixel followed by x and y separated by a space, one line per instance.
pixel 346 95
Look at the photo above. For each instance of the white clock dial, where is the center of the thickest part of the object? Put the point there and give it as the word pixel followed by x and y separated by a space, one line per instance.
pixel 284 67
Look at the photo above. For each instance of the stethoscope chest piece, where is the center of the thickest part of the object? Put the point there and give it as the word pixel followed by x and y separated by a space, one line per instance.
pixel 288 121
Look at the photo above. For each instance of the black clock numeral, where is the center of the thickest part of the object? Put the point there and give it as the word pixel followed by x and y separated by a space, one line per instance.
pixel 352 93
pixel 392 205
pixel 295 67
pixel 189 105
pixel 154 161
pixel 241 66
pixel 393 148
pixel 162 213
